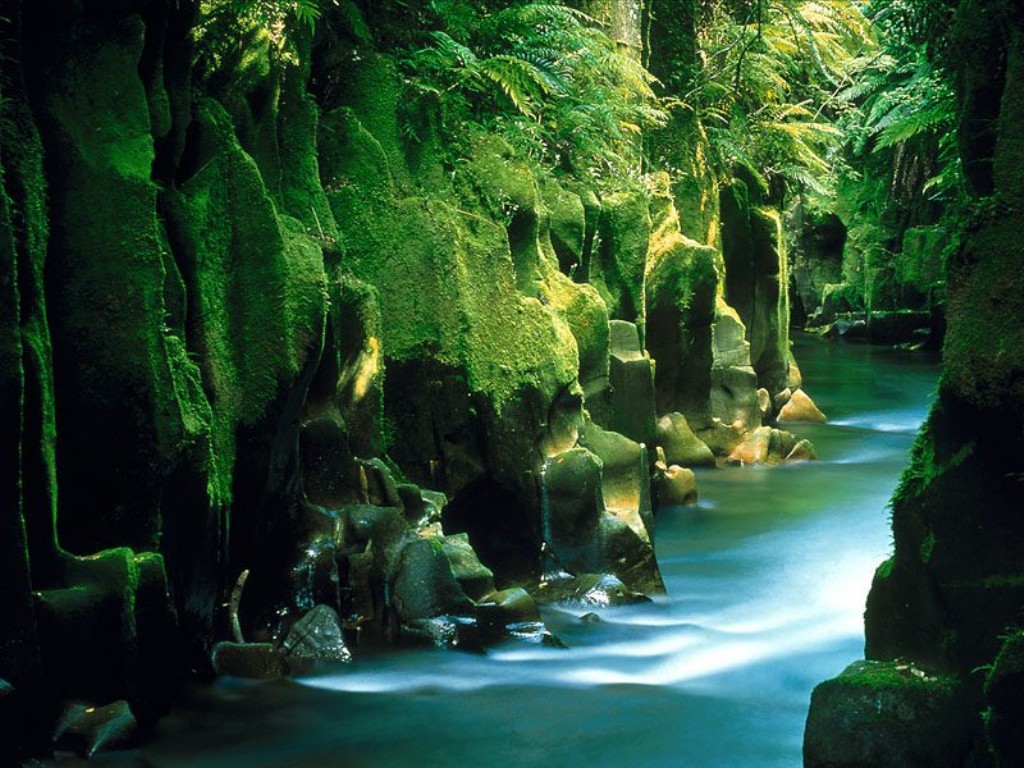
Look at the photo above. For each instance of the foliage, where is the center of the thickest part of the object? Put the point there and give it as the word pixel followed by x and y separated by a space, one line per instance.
pixel 543 75
pixel 901 100
pixel 766 93
pixel 228 30
pixel 907 104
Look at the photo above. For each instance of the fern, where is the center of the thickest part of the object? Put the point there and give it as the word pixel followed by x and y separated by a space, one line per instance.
pixel 546 76
pixel 226 28
pixel 768 92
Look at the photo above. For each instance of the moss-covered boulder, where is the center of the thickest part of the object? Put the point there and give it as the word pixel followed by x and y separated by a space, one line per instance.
pixel 886 715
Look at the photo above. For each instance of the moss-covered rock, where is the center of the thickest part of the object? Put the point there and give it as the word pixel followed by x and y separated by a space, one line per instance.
pixel 682 289
pixel 617 267
pixel 885 714
pixel 631 404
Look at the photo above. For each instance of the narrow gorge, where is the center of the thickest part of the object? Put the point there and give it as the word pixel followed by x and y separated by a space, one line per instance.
pixel 334 332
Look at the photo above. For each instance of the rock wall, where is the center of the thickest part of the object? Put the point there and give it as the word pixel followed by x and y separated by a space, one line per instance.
pixel 944 613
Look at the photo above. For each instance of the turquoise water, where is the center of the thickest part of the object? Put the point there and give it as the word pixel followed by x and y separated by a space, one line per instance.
pixel 766 581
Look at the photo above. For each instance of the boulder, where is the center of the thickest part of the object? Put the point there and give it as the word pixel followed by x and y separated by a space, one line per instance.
pixel 782 444
pixel 680 445
pixel 801 408
pixel 755 449
pixel 474 577
pixel 261 661
pixel 625 478
pixel 781 398
pixel 802 451
pixel 677 486
pixel 315 637
pixel 722 437
pixel 423 585
pixel 499 610
pixel 572 504
pixel 886 715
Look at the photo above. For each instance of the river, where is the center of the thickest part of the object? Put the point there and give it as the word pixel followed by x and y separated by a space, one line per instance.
pixel 766 581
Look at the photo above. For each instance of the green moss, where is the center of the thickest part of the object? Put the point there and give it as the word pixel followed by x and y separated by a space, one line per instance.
pixel 618 266
pixel 448 274
pixel 581 307
pixel 877 675
pixel 258 284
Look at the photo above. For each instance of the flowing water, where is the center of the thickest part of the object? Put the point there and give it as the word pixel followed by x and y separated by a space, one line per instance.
pixel 766 581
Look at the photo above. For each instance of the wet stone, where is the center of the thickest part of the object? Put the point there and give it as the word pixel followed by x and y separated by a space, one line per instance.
pixel 261 661
pixel 317 636
pixel 589 589
pixel 446 632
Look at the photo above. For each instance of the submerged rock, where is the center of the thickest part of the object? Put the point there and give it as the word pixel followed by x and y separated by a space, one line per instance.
pixel 455 632
pixel 802 451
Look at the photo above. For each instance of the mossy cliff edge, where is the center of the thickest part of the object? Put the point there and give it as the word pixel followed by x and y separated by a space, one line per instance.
pixel 280 377
pixel 943 622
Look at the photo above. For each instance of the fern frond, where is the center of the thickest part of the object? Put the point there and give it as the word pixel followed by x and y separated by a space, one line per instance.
pixel 518 79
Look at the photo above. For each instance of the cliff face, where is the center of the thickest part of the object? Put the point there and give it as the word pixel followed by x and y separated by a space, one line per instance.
pixel 263 346
pixel 944 613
